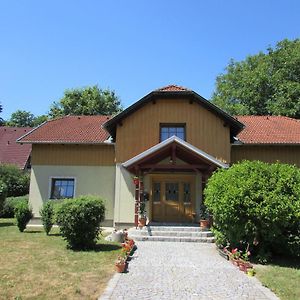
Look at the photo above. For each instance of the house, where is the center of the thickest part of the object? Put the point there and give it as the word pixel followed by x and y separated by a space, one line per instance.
pixel 12 152
pixel 172 140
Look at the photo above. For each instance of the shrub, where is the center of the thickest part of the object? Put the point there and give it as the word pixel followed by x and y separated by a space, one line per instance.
pixel 3 191
pixel 47 216
pixel 23 215
pixel 79 220
pixel 259 204
pixel 17 181
pixel 8 210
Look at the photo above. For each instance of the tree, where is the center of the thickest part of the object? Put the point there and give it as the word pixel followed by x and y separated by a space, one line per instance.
pixel 21 118
pixel 86 101
pixel 266 83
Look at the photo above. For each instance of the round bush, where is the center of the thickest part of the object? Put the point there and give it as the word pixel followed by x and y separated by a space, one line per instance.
pixel 257 203
pixel 79 220
pixel 47 216
pixel 8 210
pixel 23 215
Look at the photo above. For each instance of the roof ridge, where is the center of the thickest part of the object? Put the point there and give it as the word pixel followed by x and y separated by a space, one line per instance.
pixel 172 87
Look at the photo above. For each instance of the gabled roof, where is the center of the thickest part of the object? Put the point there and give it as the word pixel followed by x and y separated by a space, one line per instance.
pixel 174 139
pixel 10 151
pixel 69 129
pixel 269 130
pixel 174 92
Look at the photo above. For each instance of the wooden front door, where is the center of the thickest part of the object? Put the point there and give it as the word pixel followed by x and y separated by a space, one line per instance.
pixel 173 198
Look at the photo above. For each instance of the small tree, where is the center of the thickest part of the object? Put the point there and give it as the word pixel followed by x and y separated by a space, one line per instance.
pixel 23 215
pixel 79 220
pixel 47 215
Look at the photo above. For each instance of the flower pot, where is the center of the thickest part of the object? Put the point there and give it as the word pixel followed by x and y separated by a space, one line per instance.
pixel 204 223
pixel 142 222
pixel 120 267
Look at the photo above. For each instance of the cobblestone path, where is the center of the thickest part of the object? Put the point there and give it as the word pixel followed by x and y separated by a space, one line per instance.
pixel 170 270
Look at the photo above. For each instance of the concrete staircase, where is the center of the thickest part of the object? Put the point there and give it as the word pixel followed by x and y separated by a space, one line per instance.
pixel 172 233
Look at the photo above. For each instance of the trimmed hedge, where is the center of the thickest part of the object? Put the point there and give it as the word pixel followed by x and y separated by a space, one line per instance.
pixel 23 215
pixel 10 203
pixel 17 181
pixel 3 192
pixel 79 220
pixel 257 203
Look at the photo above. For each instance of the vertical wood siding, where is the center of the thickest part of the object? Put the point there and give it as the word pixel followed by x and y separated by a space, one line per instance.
pixel 270 154
pixel 76 155
pixel 140 130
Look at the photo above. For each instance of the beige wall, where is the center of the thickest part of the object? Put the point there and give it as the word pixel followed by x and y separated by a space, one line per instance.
pixel 140 130
pixel 124 196
pixel 270 154
pixel 88 180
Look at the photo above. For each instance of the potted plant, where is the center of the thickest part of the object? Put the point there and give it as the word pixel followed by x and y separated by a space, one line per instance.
pixel 142 214
pixel 120 264
pixel 204 216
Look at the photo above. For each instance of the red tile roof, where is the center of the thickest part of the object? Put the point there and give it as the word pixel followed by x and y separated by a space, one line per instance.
pixel 172 88
pixel 10 151
pixel 70 129
pixel 269 130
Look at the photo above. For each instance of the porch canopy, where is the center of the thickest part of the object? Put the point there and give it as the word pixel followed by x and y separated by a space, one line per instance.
pixel 173 154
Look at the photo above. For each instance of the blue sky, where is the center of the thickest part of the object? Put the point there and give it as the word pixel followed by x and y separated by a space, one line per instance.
pixel 132 47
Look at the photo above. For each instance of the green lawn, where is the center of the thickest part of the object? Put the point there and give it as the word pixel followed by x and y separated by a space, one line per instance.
pixel 282 277
pixel 36 266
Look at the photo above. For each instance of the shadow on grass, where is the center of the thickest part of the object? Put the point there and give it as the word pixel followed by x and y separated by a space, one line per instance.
pixel 33 231
pixel 54 234
pixel 288 262
pixel 6 224
pixel 99 248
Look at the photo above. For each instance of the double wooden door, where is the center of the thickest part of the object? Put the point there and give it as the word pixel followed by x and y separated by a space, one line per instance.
pixel 173 198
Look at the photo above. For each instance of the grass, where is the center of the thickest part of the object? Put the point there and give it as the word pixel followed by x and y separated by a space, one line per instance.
pixel 282 276
pixel 36 266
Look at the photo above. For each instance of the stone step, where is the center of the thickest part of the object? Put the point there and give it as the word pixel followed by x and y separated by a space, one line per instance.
pixel 174 228
pixel 173 239
pixel 144 232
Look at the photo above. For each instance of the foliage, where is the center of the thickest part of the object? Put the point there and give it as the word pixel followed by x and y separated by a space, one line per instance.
pixel 259 204
pixel 23 215
pixel 47 216
pixel 23 118
pixel 262 84
pixel 86 101
pixel 8 210
pixel 17 180
pixel 3 193
pixel 79 220
pixel 203 212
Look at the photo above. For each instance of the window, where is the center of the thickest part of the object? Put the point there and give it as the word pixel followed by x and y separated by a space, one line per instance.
pixel 168 130
pixel 172 191
pixel 62 188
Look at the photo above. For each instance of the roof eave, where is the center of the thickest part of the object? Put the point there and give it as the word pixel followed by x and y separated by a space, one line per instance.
pixel 66 142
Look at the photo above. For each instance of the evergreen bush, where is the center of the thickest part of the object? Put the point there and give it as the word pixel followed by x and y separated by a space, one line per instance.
pixel 23 215
pixel 8 210
pixel 79 220
pixel 47 216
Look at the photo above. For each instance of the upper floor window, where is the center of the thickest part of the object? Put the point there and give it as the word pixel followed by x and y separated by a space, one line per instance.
pixel 168 130
pixel 62 188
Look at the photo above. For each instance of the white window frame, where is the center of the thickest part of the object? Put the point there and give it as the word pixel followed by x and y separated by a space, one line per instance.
pixel 61 177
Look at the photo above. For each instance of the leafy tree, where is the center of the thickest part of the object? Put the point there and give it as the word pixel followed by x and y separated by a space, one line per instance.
pixel 21 118
pixel 266 83
pixel 86 101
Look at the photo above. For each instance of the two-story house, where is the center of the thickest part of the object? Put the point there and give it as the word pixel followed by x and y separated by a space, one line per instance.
pixel 172 139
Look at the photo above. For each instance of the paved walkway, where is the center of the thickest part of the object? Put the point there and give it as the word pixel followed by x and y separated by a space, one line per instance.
pixel 170 270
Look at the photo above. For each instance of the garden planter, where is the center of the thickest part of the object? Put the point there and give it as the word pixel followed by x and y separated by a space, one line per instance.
pixel 142 222
pixel 120 267
pixel 204 223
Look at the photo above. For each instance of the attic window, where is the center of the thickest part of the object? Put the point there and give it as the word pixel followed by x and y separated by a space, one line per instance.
pixel 168 130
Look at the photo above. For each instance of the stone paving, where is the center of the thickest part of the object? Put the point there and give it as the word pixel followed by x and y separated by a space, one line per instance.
pixel 170 270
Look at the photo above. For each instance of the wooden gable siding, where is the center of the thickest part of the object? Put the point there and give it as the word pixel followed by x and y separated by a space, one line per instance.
pixel 270 154
pixel 140 130
pixel 73 155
